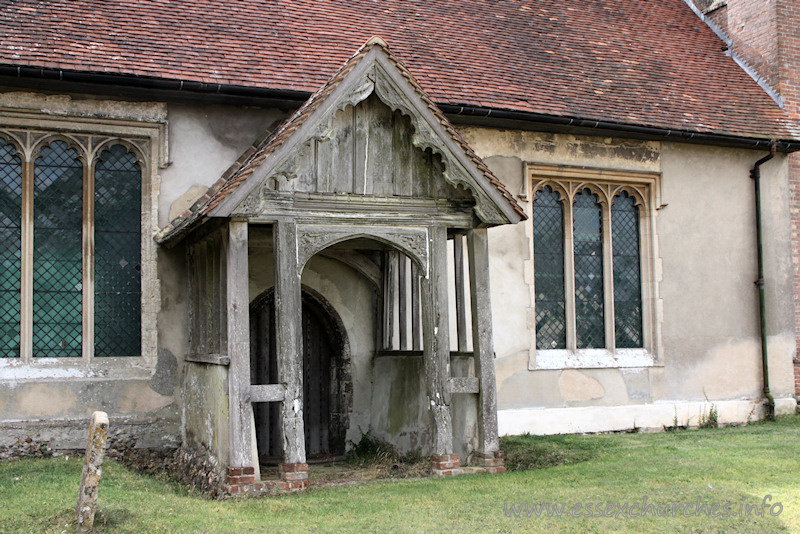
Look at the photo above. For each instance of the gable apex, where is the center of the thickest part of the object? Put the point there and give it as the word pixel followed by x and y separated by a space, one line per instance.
pixel 373 69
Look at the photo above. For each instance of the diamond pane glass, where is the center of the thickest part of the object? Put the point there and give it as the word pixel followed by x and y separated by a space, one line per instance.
pixel 57 252
pixel 588 239
pixel 548 259
pixel 10 251
pixel 117 254
pixel 627 278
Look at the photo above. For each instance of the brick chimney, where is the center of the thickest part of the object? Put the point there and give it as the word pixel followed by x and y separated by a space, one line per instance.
pixel 765 34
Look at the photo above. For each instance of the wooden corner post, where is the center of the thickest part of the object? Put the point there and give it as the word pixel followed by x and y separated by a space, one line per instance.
pixel 436 341
pixel 288 330
pixel 238 326
pixel 482 342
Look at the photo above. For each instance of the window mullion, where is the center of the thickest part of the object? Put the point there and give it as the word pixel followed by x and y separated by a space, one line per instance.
pixel 647 270
pixel 88 261
pixel 26 281
pixel 569 275
pixel 608 278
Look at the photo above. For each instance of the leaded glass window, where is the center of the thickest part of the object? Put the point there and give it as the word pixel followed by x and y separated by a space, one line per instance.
pixel 589 243
pixel 71 255
pixel 548 259
pixel 10 251
pixel 588 257
pixel 57 252
pixel 627 277
pixel 117 254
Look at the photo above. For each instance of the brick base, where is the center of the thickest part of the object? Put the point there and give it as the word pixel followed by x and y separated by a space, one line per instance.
pixel 448 465
pixel 294 477
pixel 241 481
pixel 294 472
pixel 796 362
pixel 445 465
pixel 492 462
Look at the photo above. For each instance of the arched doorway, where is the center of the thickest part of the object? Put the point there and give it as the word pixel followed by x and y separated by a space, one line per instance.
pixel 326 377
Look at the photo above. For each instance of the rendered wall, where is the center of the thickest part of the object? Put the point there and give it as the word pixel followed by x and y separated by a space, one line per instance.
pixel 707 309
pixel 53 403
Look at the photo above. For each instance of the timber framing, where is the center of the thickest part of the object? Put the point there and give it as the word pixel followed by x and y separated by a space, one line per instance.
pixel 368 173
pixel 276 165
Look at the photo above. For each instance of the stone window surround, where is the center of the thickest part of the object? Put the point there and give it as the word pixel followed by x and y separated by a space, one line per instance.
pixel 567 181
pixel 30 130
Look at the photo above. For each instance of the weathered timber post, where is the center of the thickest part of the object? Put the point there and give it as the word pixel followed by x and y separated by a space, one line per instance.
pixel 92 469
pixel 288 331
pixel 483 350
pixel 461 306
pixel 240 468
pixel 436 352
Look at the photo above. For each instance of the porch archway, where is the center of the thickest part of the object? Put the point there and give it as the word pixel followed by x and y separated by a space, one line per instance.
pixel 327 385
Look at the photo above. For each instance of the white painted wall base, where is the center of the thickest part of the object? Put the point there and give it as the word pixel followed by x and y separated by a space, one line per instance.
pixel 655 416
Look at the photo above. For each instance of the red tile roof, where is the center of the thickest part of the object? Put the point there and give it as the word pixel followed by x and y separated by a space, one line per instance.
pixel 648 63
pixel 257 154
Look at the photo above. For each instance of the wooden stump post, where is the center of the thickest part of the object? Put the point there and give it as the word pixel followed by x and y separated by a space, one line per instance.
pixel 90 480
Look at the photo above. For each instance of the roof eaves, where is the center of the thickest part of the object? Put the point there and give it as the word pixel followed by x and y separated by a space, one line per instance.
pixel 255 155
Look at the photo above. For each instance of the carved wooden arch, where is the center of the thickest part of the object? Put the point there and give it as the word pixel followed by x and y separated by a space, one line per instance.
pixel 312 239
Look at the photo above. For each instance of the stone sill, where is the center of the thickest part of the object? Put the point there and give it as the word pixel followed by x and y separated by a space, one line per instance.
pixel 128 368
pixel 592 359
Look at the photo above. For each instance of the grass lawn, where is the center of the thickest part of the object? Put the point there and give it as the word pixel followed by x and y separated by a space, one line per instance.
pixel 733 466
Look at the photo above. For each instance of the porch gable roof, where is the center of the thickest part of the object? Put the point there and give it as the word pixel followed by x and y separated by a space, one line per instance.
pixel 373 68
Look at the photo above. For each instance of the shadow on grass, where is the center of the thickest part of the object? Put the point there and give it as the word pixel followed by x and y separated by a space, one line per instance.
pixel 527 452
pixel 110 518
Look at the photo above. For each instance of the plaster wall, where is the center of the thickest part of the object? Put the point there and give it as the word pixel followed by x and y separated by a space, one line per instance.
pixel 205 409
pixel 53 401
pixel 706 307
pixel 707 310
pixel 203 142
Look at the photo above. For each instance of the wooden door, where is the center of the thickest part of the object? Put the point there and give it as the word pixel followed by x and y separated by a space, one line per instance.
pixel 264 370
pixel 318 373
pixel 316 381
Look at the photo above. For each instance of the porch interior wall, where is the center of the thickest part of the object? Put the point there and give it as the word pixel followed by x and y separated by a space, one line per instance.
pixel 353 299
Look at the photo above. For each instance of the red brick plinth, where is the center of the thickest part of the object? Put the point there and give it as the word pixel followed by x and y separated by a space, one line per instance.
pixel 241 481
pixel 294 472
pixel 492 461
pixel 796 362
pixel 445 465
